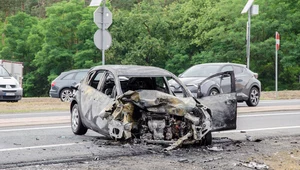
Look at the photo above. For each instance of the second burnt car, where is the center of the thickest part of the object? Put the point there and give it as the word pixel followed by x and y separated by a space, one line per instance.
pixel 125 101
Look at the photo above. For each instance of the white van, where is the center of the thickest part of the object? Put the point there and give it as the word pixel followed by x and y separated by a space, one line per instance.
pixel 10 89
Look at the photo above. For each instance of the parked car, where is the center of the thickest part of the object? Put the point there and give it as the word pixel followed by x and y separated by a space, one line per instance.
pixel 125 102
pixel 10 89
pixel 61 85
pixel 200 81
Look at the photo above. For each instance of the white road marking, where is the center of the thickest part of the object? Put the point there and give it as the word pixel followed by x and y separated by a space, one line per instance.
pixel 38 128
pixel 261 129
pixel 37 147
pixel 272 114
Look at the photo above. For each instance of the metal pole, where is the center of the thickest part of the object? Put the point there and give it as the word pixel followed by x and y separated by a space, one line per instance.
pixel 248 38
pixel 276 72
pixel 103 51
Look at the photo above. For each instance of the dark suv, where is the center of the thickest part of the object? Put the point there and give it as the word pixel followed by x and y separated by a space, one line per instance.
pixel 61 85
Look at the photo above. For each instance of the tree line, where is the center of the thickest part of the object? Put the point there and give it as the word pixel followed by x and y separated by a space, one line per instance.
pixel 52 36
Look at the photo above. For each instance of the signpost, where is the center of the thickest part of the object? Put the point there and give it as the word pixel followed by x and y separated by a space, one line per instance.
pixel 252 10
pixel 277 45
pixel 102 37
pixel 103 19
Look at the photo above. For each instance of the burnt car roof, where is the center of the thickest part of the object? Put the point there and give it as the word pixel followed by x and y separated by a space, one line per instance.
pixel 134 70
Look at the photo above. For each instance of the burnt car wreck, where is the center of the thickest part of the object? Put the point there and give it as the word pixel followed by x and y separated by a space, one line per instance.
pixel 136 102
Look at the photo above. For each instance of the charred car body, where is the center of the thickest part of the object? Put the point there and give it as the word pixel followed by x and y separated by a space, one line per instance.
pixel 125 102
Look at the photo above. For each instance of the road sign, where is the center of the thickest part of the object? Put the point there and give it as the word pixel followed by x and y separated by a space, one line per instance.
pixel 95 2
pixel 247 6
pixel 102 17
pixel 277 37
pixel 99 39
pixel 254 10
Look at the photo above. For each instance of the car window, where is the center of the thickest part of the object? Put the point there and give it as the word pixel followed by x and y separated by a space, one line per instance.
pixel 200 71
pixel 3 72
pixel 143 83
pixel 238 70
pixel 227 68
pixel 161 84
pixel 95 78
pixel 108 85
pixel 68 76
pixel 80 75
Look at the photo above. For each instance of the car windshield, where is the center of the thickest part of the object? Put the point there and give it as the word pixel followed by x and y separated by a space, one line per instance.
pixel 201 71
pixel 150 83
pixel 3 72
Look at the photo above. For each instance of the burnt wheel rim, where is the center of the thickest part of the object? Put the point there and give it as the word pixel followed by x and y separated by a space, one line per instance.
pixel 66 95
pixel 254 96
pixel 75 118
pixel 213 93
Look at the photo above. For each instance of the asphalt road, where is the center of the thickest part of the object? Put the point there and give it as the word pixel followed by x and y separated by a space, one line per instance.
pixel 47 137
pixel 264 103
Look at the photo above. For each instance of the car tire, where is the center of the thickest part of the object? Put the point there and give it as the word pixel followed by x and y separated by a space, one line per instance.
pixel 213 92
pixel 207 139
pixel 66 95
pixel 253 98
pixel 76 124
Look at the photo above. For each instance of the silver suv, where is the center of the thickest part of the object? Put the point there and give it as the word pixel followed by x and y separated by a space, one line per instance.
pixel 10 89
pixel 205 80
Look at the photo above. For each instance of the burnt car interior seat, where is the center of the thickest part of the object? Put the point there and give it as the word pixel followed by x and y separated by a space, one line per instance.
pixel 108 87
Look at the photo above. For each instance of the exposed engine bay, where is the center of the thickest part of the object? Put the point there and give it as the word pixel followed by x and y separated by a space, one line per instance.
pixel 157 117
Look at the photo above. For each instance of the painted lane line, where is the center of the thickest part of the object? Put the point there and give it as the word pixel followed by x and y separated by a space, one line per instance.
pixel 39 128
pixel 271 114
pixel 37 147
pixel 261 129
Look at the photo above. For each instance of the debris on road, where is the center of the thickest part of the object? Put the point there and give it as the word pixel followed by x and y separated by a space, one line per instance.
pixel 253 165
pixel 215 148
pixel 183 160
pixel 251 139
pixel 212 159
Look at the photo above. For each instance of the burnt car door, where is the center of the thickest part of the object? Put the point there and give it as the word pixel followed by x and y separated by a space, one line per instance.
pixel 88 91
pixel 102 101
pixel 223 105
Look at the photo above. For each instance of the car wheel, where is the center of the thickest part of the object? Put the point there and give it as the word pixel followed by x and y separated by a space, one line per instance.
pixel 213 92
pixel 254 95
pixel 207 139
pixel 66 95
pixel 76 124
